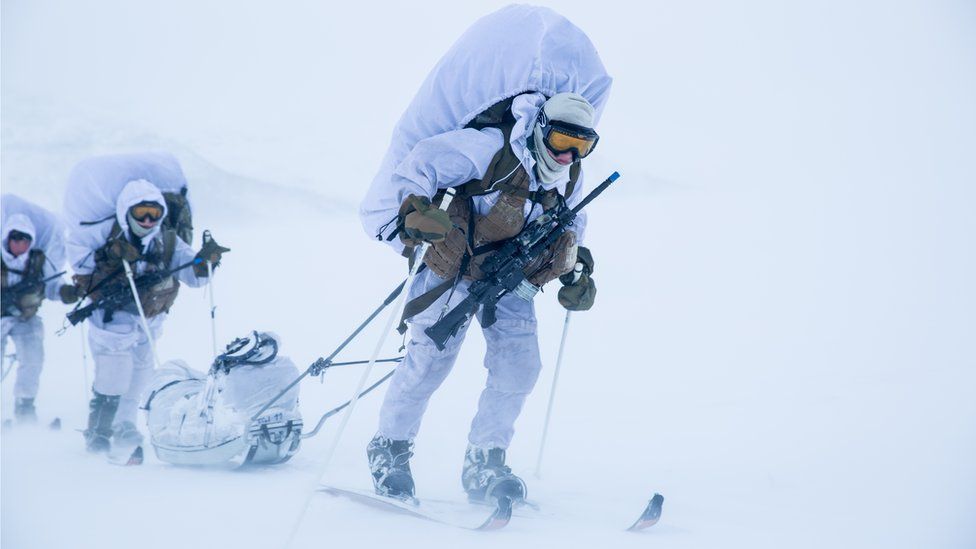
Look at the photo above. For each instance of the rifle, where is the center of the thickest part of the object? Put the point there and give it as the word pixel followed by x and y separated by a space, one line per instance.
pixel 504 270
pixel 12 294
pixel 121 295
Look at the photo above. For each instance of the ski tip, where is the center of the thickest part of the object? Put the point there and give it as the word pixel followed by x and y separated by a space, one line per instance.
pixel 614 176
pixel 137 457
pixel 651 514
pixel 500 517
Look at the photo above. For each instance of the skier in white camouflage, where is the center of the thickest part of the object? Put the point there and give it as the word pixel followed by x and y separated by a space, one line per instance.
pixel 511 160
pixel 33 255
pixel 119 344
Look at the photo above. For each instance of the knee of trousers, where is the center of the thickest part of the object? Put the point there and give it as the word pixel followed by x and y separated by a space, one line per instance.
pixel 513 360
pixel 29 339
pixel 423 370
pixel 113 373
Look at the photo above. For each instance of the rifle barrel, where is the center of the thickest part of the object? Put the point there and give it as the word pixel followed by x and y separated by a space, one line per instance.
pixel 596 192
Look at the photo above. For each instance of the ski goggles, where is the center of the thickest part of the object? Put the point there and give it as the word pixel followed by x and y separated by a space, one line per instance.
pixel 17 236
pixel 562 137
pixel 144 210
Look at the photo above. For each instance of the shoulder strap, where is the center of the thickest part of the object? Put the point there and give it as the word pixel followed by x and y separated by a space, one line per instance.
pixel 35 264
pixel 574 173
pixel 504 163
pixel 169 247
pixel 501 168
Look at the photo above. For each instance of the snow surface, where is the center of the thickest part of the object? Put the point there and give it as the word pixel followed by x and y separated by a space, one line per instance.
pixel 784 342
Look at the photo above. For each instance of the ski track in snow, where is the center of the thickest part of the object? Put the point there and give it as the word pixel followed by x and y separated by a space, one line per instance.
pixel 781 345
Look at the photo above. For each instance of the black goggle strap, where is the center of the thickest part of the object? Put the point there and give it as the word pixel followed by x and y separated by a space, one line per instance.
pixel 18 235
pixel 573 130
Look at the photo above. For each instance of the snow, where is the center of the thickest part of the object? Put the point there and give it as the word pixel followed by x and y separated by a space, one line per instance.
pixel 783 341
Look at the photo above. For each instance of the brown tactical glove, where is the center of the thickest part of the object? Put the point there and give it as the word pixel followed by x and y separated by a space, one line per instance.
pixel 422 221
pixel 579 295
pixel 558 260
pixel 209 252
pixel 69 294
pixel 122 249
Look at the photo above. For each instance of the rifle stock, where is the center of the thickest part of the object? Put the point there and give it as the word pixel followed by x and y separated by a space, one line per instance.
pixel 446 327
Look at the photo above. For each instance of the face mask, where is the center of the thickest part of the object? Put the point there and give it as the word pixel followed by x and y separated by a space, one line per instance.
pixel 138 229
pixel 546 167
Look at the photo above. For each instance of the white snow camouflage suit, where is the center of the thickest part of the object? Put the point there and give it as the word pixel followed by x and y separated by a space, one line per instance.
pixel 512 357
pixel 121 350
pixel 541 54
pixel 28 333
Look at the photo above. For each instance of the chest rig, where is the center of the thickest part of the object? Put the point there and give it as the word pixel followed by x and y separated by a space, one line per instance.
pixel 474 236
pixel 28 293
pixel 109 274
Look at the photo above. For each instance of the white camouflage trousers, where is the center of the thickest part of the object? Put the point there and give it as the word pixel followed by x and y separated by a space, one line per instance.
pixel 512 360
pixel 123 358
pixel 28 337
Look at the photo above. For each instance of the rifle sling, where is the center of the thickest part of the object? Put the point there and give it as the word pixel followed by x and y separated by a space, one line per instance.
pixel 423 302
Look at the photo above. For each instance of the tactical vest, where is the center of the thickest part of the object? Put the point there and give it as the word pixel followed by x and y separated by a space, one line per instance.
pixel 109 275
pixel 28 293
pixel 475 237
pixel 478 234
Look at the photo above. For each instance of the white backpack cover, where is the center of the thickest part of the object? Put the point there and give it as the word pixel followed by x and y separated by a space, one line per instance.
pixel 50 230
pixel 94 185
pixel 514 50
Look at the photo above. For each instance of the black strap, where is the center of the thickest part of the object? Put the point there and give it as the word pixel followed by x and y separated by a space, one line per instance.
pixel 87 223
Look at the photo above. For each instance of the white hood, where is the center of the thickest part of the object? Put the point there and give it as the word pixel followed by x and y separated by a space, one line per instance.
pixel 22 223
pixel 47 228
pixel 92 194
pixel 133 193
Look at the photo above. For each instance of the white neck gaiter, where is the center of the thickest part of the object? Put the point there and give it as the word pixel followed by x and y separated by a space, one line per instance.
pixel 565 107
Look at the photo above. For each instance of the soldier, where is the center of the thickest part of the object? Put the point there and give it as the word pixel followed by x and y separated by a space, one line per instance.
pixel 504 119
pixel 121 348
pixel 33 255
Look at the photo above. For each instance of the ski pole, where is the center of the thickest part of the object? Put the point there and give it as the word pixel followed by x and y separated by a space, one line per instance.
pixel 577 272
pixel 13 359
pixel 322 363
pixel 210 288
pixel 343 406
pixel 418 259
pixel 84 360
pixel 142 313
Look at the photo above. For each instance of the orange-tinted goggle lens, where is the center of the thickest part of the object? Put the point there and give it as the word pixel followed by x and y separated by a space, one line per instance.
pixel 560 141
pixel 141 211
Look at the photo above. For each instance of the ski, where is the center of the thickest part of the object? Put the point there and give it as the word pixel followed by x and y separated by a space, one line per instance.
pixel 500 515
pixel 650 516
pixel 125 459
pixel 55 424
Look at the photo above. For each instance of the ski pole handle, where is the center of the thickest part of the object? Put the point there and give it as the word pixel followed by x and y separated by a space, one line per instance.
pixel 577 272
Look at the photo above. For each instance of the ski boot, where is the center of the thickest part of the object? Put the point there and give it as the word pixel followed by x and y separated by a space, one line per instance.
pixel 389 462
pixel 101 414
pixel 486 478
pixel 126 435
pixel 24 410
